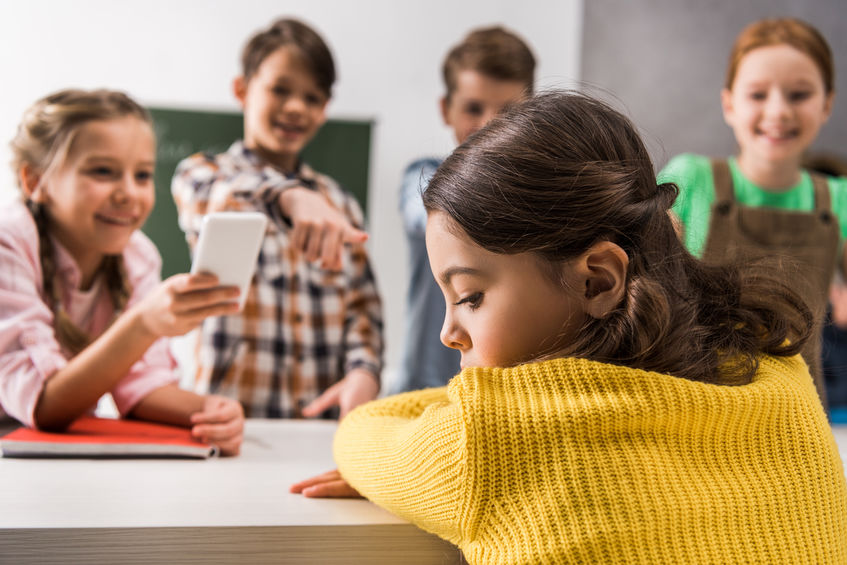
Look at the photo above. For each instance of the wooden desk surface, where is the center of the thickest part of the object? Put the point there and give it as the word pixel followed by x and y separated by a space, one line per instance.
pixel 211 511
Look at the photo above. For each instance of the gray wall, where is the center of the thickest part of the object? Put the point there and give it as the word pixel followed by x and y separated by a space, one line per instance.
pixel 663 62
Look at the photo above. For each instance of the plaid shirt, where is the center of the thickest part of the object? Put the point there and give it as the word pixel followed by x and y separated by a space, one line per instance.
pixel 303 328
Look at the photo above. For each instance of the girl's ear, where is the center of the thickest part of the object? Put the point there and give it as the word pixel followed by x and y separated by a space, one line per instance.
pixel 726 106
pixel 239 89
pixel 604 268
pixel 827 105
pixel 30 181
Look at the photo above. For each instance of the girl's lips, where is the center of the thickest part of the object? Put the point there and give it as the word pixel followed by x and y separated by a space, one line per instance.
pixel 778 135
pixel 117 220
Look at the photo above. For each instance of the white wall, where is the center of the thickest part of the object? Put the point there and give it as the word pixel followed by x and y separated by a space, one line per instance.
pixel 185 53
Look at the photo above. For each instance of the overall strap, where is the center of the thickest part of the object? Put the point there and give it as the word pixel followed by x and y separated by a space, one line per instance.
pixel 723 181
pixel 822 196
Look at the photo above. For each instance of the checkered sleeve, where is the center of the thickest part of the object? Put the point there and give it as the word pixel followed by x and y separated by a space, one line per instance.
pixel 363 327
pixel 205 183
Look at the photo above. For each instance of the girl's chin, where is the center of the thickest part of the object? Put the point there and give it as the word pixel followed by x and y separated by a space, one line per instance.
pixel 777 142
pixel 778 152
pixel 115 245
pixel 113 250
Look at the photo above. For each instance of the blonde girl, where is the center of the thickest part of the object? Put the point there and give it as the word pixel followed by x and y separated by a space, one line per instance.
pixel 82 308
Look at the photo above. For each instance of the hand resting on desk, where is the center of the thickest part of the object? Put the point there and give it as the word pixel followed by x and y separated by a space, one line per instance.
pixel 327 485
pixel 221 423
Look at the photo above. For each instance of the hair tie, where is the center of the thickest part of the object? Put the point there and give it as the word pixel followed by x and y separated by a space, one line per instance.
pixel 667 192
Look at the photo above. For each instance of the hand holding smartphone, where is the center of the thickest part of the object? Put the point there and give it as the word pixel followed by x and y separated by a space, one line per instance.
pixel 229 247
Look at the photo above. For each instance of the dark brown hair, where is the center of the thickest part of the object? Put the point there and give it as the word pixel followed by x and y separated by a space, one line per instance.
pixel 493 52
pixel 562 171
pixel 289 32
pixel 43 140
pixel 783 31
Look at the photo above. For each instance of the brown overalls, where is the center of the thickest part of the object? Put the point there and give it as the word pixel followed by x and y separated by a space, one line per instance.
pixel 809 240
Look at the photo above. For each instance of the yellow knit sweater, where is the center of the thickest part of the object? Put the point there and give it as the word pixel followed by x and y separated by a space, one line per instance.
pixel 575 461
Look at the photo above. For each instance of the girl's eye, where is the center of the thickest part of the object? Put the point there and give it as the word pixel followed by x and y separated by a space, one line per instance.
pixel 799 96
pixel 758 96
pixel 102 172
pixel 143 176
pixel 280 91
pixel 472 300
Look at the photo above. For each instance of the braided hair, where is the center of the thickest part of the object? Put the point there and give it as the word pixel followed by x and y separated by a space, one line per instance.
pixel 42 142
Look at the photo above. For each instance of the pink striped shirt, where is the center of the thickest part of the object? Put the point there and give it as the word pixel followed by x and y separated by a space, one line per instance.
pixel 29 351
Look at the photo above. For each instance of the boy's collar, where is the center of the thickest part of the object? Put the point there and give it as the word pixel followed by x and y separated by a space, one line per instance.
pixel 301 171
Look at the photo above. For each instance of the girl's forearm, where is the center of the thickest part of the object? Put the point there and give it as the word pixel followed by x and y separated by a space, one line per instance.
pixel 169 405
pixel 93 372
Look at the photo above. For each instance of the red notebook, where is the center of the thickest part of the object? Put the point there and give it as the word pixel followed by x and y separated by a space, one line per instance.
pixel 103 437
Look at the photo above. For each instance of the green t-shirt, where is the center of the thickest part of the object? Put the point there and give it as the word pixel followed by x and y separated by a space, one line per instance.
pixel 693 175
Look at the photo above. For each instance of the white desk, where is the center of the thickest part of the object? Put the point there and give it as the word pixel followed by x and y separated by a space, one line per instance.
pixel 226 510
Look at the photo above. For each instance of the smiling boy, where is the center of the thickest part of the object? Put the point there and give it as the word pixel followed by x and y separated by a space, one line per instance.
pixel 310 335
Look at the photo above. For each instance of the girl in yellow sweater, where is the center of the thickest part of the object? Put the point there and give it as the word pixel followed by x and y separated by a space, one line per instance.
pixel 619 402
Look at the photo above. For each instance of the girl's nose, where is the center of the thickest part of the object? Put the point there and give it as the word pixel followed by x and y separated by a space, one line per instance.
pixel 127 188
pixel 452 334
pixel 121 193
pixel 777 106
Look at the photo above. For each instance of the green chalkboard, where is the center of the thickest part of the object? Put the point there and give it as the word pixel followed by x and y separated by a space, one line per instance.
pixel 341 149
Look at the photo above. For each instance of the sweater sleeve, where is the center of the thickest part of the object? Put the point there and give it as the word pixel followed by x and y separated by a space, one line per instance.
pixel 363 322
pixel 406 453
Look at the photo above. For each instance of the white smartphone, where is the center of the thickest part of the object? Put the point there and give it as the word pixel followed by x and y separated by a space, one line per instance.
pixel 229 246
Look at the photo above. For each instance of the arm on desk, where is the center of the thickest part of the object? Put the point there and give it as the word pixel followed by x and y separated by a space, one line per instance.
pixel 405 453
pixel 212 419
pixel 170 308
pixel 331 484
